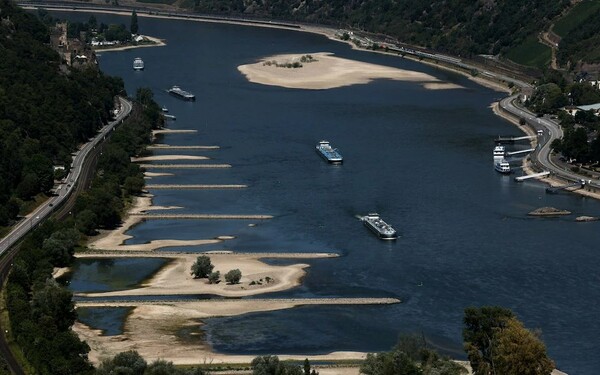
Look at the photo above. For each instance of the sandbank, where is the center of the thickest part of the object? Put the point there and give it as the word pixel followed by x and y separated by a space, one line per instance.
pixel 328 71
pixel 175 278
pixel 167 157
pixel 115 239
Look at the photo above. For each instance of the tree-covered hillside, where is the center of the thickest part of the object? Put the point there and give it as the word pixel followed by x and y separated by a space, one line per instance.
pixel 46 108
pixel 462 27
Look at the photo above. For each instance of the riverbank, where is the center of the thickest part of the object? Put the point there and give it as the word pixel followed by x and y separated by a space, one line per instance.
pixel 154 42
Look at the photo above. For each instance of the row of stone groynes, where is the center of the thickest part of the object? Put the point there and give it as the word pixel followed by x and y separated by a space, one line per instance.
pixel 254 301
pixel 203 216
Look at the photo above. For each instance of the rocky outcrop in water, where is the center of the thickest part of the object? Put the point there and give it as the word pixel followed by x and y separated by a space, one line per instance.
pixel 548 211
pixel 586 218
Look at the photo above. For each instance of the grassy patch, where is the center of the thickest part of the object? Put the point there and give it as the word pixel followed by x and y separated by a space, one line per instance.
pixel 531 53
pixel 575 17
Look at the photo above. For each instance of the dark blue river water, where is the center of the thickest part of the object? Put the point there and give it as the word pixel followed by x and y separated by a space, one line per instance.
pixel 420 158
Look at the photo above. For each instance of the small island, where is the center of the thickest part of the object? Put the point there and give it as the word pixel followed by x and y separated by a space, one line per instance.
pixel 320 71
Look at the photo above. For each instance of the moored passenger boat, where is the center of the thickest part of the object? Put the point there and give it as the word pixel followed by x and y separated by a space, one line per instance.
pixel 502 166
pixel 499 152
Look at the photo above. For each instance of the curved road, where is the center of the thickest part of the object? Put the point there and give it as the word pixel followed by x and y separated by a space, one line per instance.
pixel 7 251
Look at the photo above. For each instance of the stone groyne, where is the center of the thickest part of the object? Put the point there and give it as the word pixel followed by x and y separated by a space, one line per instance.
pixel 195 186
pixel 184 166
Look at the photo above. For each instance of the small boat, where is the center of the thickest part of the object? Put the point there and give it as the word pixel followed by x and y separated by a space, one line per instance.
pixel 164 109
pixel 170 117
pixel 138 64
pixel 502 166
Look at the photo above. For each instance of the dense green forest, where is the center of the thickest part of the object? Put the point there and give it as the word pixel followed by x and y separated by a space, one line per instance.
pixel 581 43
pixel 461 27
pixel 46 109
pixel 41 311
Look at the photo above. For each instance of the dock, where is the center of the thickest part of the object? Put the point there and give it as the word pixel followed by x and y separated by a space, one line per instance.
pixel 556 189
pixel 535 175
pixel 520 152
pixel 170 117
pixel 501 139
pixel 195 187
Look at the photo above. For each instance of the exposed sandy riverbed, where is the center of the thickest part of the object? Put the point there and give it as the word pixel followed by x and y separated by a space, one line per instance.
pixel 175 278
pixel 115 239
pixel 328 71
pixel 172 331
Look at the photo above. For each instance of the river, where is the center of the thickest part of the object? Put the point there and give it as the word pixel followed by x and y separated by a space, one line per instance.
pixel 421 158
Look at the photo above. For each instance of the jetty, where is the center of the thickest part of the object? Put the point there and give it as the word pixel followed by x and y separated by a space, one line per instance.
pixel 171 147
pixel 195 186
pixel 203 216
pixel 520 152
pixel 535 175
pixel 555 189
pixel 502 140
pixel 291 301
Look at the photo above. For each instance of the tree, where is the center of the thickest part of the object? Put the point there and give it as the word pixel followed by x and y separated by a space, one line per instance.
pixel 214 277
pixel 410 357
pixel 202 267
pixel 306 367
pixel 233 276
pixel 86 222
pixel 129 362
pixel 480 326
pixel 519 351
pixel 134 22
pixel 497 343
pixel 270 365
